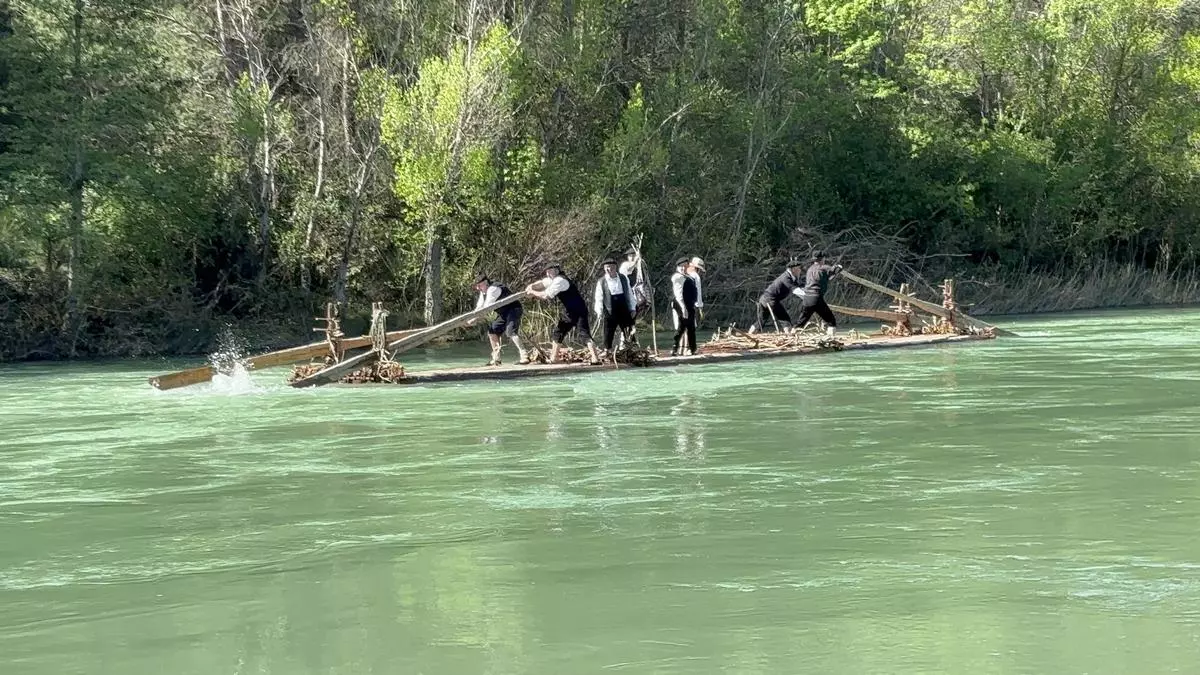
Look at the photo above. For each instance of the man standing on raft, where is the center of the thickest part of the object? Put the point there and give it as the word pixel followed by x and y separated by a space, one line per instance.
pixel 573 314
pixel 614 303
pixel 816 283
pixel 770 303
pixel 684 294
pixel 507 321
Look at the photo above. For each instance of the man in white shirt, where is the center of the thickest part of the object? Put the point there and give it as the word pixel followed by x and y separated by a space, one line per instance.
pixel 573 314
pixel 507 321
pixel 683 309
pixel 614 302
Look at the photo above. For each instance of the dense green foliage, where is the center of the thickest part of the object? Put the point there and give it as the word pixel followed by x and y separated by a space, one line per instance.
pixel 168 165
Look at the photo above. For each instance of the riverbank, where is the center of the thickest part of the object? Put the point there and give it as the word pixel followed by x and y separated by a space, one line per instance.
pixel 29 328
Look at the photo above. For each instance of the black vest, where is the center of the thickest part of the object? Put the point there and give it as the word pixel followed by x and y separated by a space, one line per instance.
pixel 571 300
pixel 509 308
pixel 782 287
pixel 626 290
pixel 689 292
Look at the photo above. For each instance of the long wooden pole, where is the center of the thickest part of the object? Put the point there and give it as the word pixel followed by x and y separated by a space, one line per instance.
pixel 637 248
pixel 336 371
pixel 184 378
pixel 926 306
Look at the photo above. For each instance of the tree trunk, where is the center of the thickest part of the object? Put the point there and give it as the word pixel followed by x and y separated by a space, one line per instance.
pixel 306 254
pixel 433 277
pixel 75 189
pixel 353 219
pixel 341 286
pixel 266 192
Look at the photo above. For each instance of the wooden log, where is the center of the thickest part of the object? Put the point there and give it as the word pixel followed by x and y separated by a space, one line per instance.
pixel 282 357
pixel 184 378
pixel 549 370
pixel 930 307
pixel 882 315
pixel 336 371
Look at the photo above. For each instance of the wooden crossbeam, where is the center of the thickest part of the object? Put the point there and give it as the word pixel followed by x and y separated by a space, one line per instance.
pixel 881 314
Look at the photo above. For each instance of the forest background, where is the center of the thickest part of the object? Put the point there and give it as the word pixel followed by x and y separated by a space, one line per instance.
pixel 169 168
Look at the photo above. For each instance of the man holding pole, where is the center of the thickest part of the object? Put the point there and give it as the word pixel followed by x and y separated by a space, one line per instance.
pixel 633 268
pixel 816 283
pixel 507 321
pixel 573 314
pixel 770 303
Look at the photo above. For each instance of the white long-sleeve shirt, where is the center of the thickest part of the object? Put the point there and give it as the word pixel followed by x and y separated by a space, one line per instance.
pixel 555 286
pixel 677 281
pixel 615 289
pixel 488 297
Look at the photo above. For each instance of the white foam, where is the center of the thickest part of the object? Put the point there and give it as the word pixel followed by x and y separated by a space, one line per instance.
pixel 234 383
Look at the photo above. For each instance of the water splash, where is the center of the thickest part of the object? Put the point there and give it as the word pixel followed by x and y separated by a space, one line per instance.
pixel 231 377
pixel 236 381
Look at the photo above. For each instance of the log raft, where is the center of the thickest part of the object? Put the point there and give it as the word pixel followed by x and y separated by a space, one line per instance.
pixel 283 357
pixel 339 370
pixel 514 372
pixel 952 325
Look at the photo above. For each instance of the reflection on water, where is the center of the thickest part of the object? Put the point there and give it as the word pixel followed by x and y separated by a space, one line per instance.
pixel 689 427
pixel 1022 505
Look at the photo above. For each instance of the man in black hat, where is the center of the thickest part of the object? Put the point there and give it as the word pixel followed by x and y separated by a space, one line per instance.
pixel 816 283
pixel 574 314
pixel 770 303
pixel 684 294
pixel 507 321
pixel 614 303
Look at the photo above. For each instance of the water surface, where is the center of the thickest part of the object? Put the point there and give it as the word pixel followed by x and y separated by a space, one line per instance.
pixel 1018 506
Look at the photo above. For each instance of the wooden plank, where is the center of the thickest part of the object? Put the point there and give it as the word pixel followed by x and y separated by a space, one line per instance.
pixel 297 354
pixel 183 378
pixel 881 314
pixel 515 372
pixel 336 371
pixel 282 357
pixel 926 306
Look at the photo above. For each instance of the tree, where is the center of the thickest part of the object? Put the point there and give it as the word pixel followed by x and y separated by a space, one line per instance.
pixel 441 132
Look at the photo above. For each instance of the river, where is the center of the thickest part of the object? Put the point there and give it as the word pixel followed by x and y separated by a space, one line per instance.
pixel 1024 505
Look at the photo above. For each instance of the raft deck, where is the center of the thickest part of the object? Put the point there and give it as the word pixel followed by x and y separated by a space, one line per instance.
pixel 513 372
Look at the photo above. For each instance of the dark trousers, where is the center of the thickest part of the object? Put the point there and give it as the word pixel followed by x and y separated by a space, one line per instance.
pixel 816 306
pixel 686 327
pixel 619 317
pixel 508 323
pixel 572 320
pixel 770 313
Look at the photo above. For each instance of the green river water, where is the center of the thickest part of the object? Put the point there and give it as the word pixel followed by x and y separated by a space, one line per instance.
pixel 1024 505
